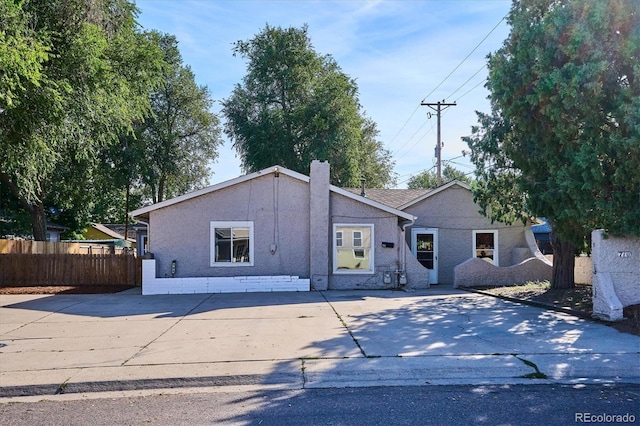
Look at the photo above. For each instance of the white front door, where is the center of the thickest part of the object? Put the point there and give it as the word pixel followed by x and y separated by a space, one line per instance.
pixel 424 245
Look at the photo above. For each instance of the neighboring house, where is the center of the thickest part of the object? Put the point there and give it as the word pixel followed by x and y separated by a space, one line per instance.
pixel 111 234
pixel 542 233
pixel 277 222
pixel 54 232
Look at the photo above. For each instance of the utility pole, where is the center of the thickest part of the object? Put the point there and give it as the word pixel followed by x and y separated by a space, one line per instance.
pixel 438 107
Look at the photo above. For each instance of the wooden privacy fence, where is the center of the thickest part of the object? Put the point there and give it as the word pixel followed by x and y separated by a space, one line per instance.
pixel 47 247
pixel 25 270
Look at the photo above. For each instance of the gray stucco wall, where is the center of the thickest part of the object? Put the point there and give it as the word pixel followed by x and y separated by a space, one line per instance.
pixel 455 215
pixel 345 210
pixel 182 231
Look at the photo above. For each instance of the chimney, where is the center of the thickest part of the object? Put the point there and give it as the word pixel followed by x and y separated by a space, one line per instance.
pixel 319 225
pixel 362 193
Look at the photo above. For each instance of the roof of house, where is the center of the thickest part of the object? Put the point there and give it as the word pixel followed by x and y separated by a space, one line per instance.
pixel 542 228
pixel 390 197
pixel 55 227
pixel 144 211
pixel 403 198
pixel 116 230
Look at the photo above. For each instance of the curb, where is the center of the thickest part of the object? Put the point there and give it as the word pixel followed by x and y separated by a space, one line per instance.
pixel 146 384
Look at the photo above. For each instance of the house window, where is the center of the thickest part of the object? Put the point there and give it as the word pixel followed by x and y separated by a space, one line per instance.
pixel 353 249
pixel 485 246
pixel 232 244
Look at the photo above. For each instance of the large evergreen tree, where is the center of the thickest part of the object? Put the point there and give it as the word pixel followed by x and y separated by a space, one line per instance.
pixel 563 139
pixel 294 106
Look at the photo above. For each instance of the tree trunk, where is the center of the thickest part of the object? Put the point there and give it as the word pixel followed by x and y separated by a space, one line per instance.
pixel 38 221
pixel 564 261
pixel 161 185
pixel 126 213
pixel 34 208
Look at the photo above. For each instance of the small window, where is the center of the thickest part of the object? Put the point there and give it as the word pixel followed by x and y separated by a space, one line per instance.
pixel 231 243
pixel 353 249
pixel 485 246
pixel 357 238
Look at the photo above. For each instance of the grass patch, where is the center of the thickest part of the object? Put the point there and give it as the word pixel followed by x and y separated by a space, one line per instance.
pixel 578 298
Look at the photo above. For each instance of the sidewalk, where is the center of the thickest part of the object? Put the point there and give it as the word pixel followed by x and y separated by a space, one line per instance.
pixel 125 341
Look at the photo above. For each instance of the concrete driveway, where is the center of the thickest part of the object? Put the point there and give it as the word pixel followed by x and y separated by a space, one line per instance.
pixel 82 343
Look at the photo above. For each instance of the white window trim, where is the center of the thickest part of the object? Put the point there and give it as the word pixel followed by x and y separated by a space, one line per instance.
pixel 372 267
pixel 230 224
pixel 496 258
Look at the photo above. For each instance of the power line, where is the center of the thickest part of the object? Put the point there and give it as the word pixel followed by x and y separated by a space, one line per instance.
pixel 404 125
pixel 416 142
pixel 411 175
pixel 465 58
pixel 468 80
pixel 470 90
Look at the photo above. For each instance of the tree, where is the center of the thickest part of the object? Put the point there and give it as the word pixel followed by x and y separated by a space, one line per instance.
pixel 563 130
pixel 22 52
pixel 294 106
pixel 181 136
pixel 428 178
pixel 88 79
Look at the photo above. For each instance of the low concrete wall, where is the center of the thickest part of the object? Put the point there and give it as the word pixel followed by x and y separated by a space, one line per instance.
pixel 478 272
pixel 191 285
pixel 616 274
pixel 583 271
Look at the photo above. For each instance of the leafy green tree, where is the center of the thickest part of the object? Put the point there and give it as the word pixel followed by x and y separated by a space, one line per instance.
pixel 117 181
pixel 294 106
pixel 564 128
pixel 374 161
pixel 429 179
pixel 180 138
pixel 88 79
pixel 22 52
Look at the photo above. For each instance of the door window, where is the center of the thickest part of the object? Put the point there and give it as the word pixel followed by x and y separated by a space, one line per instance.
pixel 425 250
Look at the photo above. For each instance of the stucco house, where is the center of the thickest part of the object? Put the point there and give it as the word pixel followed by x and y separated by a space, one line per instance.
pixel 277 229
pixel 449 229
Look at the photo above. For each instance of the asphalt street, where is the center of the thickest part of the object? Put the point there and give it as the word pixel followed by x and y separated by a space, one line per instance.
pixel 531 405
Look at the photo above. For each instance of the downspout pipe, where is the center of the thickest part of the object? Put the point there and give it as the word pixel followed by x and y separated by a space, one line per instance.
pixel 403 244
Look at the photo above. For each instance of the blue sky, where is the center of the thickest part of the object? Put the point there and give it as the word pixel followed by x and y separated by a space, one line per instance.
pixel 399 51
